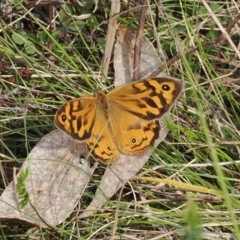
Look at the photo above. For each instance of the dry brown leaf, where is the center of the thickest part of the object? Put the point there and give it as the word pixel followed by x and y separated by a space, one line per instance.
pixel 57 179
pixel 111 32
pixel 124 57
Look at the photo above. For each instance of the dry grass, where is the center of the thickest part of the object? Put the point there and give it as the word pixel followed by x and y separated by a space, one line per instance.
pixel 200 42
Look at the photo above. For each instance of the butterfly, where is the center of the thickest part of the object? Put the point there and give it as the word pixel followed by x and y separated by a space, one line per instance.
pixel 125 120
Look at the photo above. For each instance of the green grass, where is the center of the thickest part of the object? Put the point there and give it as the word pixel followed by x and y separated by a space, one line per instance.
pixel 202 147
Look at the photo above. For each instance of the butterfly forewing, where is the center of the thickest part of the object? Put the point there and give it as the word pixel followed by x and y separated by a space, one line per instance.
pixel 77 117
pixel 148 98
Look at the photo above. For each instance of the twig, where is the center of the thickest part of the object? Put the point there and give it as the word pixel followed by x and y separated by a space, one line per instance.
pixel 111 33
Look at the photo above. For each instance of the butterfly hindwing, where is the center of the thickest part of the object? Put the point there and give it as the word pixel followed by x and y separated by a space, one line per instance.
pixel 132 134
pixel 101 143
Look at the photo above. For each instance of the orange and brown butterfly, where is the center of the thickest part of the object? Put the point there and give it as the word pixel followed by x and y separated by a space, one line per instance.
pixel 125 120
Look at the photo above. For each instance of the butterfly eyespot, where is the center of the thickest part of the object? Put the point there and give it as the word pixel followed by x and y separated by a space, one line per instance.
pixel 64 118
pixel 134 140
pixel 165 87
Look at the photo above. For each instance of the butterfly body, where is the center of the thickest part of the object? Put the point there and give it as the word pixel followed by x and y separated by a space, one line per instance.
pixel 125 120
